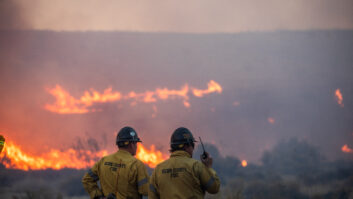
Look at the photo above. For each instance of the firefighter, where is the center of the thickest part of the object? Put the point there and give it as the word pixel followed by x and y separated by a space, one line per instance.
pixel 120 174
pixel 181 176
pixel 2 142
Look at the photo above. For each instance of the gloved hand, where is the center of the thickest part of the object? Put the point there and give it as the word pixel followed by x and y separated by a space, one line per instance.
pixel 111 196
pixel 207 161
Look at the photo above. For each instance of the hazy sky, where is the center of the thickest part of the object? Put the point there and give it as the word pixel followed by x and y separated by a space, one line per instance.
pixel 276 85
pixel 176 15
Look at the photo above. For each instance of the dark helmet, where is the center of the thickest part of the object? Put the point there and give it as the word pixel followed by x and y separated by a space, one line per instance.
pixel 126 135
pixel 180 137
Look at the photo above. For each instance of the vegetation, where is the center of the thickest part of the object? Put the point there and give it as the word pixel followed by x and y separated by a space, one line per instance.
pixel 293 169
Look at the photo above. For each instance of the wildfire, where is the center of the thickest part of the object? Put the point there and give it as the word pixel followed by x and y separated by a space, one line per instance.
pixel 13 157
pixel 244 163
pixel 339 97
pixel 150 157
pixel 67 104
pixel 346 149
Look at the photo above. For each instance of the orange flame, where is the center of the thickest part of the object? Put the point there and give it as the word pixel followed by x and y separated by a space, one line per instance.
pixel 244 163
pixel 212 87
pixel 339 97
pixel 150 157
pixel 346 149
pixel 67 104
pixel 13 157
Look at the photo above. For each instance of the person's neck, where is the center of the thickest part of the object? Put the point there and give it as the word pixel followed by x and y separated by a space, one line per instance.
pixel 127 150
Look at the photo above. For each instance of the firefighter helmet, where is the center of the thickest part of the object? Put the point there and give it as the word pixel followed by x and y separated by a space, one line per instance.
pixel 126 135
pixel 180 137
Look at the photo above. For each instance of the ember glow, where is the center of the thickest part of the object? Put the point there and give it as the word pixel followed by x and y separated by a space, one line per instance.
pixel 244 163
pixel 271 120
pixel 13 157
pixel 346 149
pixel 150 157
pixel 67 104
pixel 339 97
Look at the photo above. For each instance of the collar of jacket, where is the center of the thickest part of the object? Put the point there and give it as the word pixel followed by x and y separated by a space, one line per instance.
pixel 180 153
pixel 121 151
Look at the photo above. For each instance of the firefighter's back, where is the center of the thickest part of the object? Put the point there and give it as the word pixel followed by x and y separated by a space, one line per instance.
pixel 118 174
pixel 178 177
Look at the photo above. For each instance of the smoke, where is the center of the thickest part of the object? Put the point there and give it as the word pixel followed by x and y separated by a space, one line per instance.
pixel 293 157
pixel 13 15
pixel 292 169
pixel 89 143
pixel 179 16
pixel 263 75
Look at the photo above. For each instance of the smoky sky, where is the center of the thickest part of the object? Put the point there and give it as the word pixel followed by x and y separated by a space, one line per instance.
pixel 288 76
pixel 12 15
pixel 199 16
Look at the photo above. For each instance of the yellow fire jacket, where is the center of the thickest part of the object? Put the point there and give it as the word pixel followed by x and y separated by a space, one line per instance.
pixel 2 143
pixel 182 177
pixel 119 173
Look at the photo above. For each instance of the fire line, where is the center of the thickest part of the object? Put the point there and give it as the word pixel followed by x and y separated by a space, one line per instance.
pixel 13 157
pixel 67 104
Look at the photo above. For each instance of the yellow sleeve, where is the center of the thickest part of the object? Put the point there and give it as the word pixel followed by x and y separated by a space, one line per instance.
pixel 208 178
pixel 152 191
pixel 89 182
pixel 142 178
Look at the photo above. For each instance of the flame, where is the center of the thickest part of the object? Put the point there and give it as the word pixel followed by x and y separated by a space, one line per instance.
pixel 339 97
pixel 212 87
pixel 244 163
pixel 271 120
pixel 13 157
pixel 67 104
pixel 346 149
pixel 150 157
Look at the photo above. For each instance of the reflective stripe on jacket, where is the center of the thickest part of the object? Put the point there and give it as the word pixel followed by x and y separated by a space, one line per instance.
pixel 182 177
pixel 119 173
